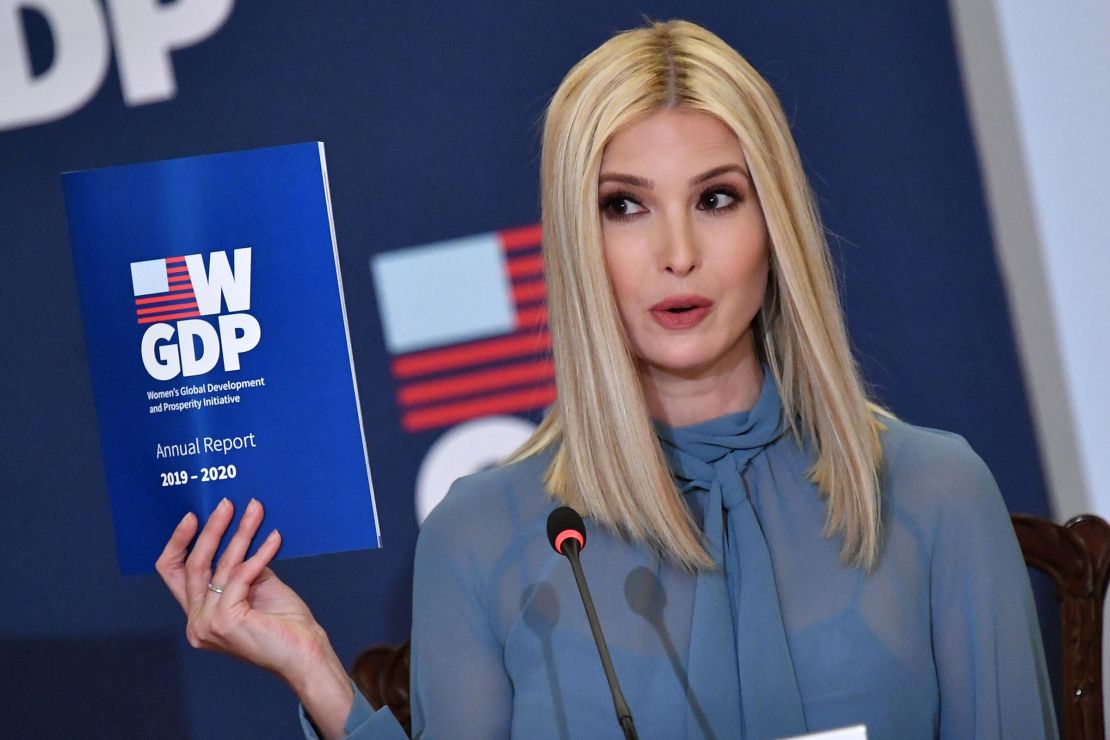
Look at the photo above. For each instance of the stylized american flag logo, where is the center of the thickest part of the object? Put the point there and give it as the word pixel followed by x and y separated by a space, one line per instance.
pixel 163 290
pixel 466 323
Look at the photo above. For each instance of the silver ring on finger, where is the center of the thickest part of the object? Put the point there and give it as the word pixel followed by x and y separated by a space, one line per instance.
pixel 214 588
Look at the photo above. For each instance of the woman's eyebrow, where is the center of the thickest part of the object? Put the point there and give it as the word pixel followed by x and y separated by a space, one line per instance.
pixel 643 182
pixel 710 174
pixel 633 180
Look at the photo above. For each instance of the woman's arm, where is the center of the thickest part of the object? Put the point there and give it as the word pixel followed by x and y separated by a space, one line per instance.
pixel 986 641
pixel 459 685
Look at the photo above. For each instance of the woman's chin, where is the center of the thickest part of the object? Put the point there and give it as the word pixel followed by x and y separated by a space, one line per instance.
pixel 699 361
pixel 687 366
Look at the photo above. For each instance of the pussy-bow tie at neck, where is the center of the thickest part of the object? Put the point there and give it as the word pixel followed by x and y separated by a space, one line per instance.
pixel 748 691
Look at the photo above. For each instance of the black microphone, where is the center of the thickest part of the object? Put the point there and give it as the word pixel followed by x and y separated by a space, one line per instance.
pixel 567 534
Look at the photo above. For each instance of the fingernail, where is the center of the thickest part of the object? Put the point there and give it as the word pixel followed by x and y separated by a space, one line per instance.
pixel 184 518
pixel 273 536
pixel 252 506
pixel 224 503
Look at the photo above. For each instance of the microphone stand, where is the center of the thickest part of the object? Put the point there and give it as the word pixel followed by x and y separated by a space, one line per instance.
pixel 624 716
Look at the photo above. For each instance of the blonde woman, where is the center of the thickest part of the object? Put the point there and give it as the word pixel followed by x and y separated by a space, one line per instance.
pixel 770 553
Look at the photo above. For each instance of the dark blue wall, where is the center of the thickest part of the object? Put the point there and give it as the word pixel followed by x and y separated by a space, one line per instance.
pixel 430 112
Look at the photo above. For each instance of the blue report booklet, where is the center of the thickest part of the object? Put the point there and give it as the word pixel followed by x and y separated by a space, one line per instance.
pixel 218 347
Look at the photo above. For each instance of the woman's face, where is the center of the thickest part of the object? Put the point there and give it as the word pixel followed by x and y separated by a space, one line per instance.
pixel 685 243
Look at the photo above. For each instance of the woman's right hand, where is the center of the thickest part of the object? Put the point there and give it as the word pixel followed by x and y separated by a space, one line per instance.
pixel 243 609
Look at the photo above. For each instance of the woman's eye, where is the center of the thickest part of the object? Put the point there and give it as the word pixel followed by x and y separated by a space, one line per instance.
pixel 717 200
pixel 621 206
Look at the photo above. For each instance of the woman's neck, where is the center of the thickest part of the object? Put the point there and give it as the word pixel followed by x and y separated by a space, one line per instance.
pixel 679 399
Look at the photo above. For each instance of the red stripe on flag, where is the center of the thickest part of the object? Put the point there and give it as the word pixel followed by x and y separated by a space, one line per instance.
pixel 167 317
pixel 407 366
pixel 179 268
pixel 463 385
pixel 521 237
pixel 526 266
pixel 502 403
pixel 181 287
pixel 178 279
pixel 166 297
pixel 172 260
pixel 186 306
pixel 532 290
pixel 531 317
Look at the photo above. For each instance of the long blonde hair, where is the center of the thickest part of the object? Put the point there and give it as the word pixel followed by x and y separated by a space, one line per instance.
pixel 607 461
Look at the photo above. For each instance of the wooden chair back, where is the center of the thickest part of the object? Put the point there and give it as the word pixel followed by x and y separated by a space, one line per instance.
pixel 381 673
pixel 1077 558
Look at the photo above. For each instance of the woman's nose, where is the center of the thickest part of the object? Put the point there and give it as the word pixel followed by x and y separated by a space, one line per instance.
pixel 680 253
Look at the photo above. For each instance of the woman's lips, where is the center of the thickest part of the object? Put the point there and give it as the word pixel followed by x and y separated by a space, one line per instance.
pixel 681 312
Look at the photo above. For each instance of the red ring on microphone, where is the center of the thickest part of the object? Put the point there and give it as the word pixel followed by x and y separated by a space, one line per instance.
pixel 568 533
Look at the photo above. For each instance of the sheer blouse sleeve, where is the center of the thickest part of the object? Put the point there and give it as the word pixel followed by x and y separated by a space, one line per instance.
pixel 460 688
pixel 986 640
pixel 363 722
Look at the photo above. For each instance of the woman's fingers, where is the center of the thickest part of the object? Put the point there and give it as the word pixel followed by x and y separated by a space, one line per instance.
pixel 265 628
pixel 240 542
pixel 243 575
pixel 171 563
pixel 198 566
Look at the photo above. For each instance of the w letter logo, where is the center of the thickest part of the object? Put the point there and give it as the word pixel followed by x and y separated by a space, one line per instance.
pixel 181 289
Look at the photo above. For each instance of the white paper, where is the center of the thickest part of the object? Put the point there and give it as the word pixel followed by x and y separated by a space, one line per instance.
pixel 855 732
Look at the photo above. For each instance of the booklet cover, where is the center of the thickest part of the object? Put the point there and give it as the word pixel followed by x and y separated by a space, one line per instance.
pixel 218 347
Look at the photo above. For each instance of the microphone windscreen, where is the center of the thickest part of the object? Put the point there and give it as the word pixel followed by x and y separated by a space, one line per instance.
pixel 562 523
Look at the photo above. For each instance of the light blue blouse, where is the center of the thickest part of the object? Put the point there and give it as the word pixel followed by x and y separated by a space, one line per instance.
pixel 940 640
